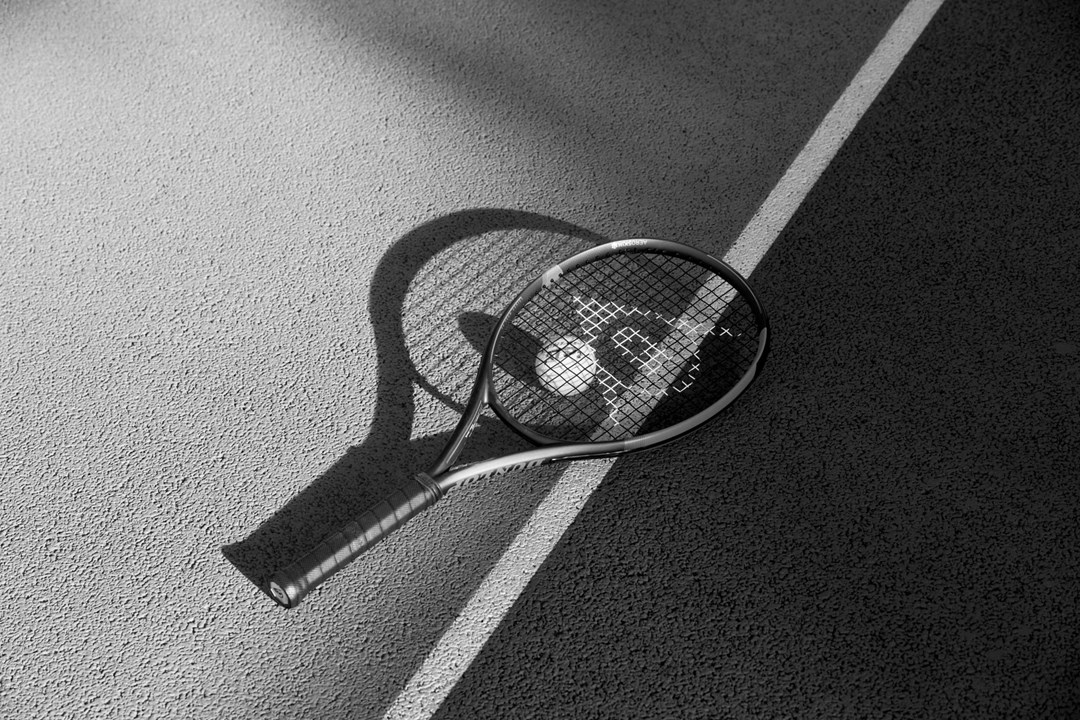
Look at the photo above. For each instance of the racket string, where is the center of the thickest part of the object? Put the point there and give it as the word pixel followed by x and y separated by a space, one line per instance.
pixel 661 338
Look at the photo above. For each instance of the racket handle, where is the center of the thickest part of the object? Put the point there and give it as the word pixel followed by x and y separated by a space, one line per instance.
pixel 291 584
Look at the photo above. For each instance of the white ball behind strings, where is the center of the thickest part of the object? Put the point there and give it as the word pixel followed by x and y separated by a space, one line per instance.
pixel 567 365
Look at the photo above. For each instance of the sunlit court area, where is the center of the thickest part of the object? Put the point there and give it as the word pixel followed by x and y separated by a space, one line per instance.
pixel 251 256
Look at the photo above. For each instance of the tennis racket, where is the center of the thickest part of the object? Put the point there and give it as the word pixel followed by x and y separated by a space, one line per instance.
pixel 617 349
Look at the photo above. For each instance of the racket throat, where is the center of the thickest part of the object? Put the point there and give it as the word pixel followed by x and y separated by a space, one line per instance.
pixel 468 422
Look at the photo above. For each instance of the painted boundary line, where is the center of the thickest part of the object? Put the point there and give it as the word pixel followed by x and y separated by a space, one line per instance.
pixel 462 641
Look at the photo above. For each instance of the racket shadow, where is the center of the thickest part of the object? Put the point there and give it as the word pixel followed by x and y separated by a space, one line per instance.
pixel 477 328
pixel 388 455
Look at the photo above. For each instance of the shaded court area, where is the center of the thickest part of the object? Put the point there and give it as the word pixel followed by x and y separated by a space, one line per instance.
pixel 886 526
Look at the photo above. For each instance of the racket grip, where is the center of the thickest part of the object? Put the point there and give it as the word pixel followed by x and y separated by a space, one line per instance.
pixel 291 584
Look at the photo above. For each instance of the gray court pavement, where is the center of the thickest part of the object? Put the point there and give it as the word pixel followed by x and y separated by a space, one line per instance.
pixel 250 248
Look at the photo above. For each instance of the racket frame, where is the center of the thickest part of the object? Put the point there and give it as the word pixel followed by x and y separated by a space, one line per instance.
pixel 550 449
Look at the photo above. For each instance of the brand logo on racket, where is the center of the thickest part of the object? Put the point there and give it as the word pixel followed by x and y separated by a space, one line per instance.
pixel 627 354
pixel 620 244
pixel 509 468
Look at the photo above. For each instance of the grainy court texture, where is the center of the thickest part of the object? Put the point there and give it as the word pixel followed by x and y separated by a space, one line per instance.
pixel 250 250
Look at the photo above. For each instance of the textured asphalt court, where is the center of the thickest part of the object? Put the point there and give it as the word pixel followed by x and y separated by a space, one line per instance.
pixel 226 321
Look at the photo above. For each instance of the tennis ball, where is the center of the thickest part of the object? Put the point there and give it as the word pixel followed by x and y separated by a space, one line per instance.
pixel 567 365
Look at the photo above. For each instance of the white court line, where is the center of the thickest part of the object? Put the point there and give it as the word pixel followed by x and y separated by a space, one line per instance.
pixel 465 637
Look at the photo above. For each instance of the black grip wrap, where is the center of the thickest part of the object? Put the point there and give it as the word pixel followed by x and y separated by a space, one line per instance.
pixel 290 585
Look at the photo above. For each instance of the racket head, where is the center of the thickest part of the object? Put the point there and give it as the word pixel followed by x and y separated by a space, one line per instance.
pixel 625 346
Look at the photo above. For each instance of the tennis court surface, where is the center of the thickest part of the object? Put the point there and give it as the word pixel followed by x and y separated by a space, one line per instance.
pixel 251 250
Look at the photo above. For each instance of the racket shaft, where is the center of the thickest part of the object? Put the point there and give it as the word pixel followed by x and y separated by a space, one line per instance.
pixel 290 585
